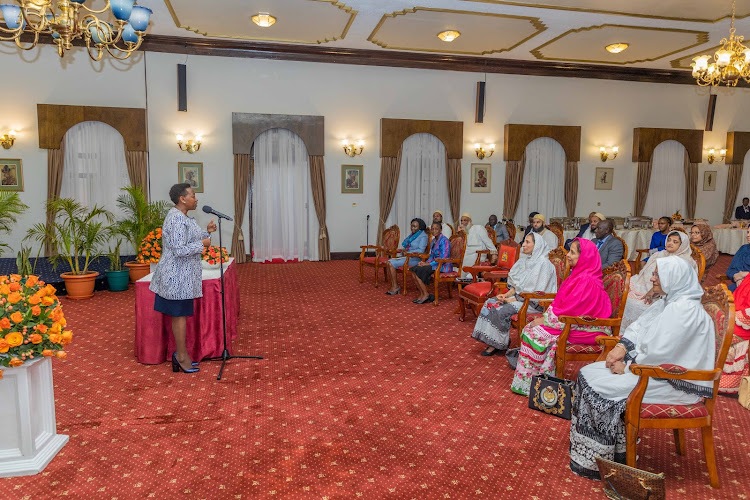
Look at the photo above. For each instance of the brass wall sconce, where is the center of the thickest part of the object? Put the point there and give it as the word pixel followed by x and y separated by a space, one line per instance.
pixel 191 145
pixel 8 139
pixel 712 155
pixel 604 155
pixel 352 149
pixel 484 153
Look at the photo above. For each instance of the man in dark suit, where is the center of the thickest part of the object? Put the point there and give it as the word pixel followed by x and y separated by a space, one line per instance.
pixel 587 230
pixel 743 211
pixel 610 248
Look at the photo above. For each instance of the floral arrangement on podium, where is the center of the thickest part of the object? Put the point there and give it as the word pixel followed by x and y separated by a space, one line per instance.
pixel 212 256
pixel 677 215
pixel 150 249
pixel 31 321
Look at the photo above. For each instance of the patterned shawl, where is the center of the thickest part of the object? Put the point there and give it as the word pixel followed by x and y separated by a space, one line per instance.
pixel 707 244
pixel 534 272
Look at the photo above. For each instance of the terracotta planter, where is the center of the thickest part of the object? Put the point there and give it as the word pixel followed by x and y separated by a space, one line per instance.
pixel 80 286
pixel 138 270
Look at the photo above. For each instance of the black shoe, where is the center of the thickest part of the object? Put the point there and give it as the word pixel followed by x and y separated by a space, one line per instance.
pixel 487 351
pixel 398 290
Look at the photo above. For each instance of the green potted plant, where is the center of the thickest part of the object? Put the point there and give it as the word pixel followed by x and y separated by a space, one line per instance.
pixel 77 234
pixel 10 208
pixel 117 277
pixel 140 217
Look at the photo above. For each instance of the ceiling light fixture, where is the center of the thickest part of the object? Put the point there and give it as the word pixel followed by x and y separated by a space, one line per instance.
pixel 448 36
pixel 616 48
pixel 731 62
pixel 264 19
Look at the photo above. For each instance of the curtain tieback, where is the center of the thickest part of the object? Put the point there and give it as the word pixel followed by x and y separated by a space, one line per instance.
pixel 323 230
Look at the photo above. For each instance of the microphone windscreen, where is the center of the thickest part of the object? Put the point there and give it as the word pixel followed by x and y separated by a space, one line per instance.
pixel 207 209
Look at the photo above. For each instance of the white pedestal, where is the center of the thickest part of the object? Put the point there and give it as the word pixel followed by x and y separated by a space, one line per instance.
pixel 29 439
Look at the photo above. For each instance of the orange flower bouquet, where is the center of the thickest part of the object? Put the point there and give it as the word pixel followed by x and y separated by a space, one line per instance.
pixel 212 256
pixel 150 249
pixel 31 321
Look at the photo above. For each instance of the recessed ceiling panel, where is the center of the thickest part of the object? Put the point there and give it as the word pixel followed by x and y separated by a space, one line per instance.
pixel 685 61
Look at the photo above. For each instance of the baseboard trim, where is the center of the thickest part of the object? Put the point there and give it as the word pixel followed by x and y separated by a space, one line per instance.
pixel 345 255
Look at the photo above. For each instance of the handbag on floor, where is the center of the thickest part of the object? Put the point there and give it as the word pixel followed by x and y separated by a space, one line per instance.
pixel 744 398
pixel 621 482
pixel 552 395
pixel 512 356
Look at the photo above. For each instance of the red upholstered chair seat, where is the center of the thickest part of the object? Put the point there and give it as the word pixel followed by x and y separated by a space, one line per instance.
pixel 452 274
pixel 481 289
pixel 673 411
pixel 583 349
pixel 529 317
pixel 371 260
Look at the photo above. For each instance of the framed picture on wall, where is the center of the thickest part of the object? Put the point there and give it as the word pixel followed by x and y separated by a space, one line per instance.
pixel 351 178
pixel 603 178
pixel 191 173
pixel 480 177
pixel 709 180
pixel 11 175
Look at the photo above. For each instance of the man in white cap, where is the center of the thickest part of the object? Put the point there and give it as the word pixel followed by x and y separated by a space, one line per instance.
pixel 437 216
pixel 538 227
pixel 587 230
pixel 477 239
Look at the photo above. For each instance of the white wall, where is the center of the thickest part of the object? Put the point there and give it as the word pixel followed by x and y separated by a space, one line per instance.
pixel 353 99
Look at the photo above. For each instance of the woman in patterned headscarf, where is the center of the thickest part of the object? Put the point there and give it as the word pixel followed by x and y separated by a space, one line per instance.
pixel 702 237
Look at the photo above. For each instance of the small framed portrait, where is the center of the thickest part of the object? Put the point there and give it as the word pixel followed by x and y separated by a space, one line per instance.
pixel 11 175
pixel 191 173
pixel 480 177
pixel 603 178
pixel 709 180
pixel 351 178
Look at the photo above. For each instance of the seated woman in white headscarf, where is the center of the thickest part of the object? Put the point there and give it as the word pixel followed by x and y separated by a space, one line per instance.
pixel 477 238
pixel 675 330
pixel 532 272
pixel 641 295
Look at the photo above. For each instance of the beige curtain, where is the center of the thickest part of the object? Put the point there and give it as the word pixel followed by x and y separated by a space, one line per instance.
pixel 389 170
pixel 571 187
pixel 733 189
pixel 453 175
pixel 138 169
pixel 691 186
pixel 318 186
pixel 513 183
pixel 641 186
pixel 55 165
pixel 242 169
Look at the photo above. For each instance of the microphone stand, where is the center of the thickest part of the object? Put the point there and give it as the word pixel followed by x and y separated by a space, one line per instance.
pixel 225 356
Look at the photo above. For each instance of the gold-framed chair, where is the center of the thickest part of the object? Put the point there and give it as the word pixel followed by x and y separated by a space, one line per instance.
pixel 559 231
pixel 458 249
pixel 700 261
pixel 421 256
pixel 511 230
pixel 625 251
pixel 383 252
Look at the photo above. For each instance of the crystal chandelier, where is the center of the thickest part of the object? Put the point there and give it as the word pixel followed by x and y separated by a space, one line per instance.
pixel 69 20
pixel 730 63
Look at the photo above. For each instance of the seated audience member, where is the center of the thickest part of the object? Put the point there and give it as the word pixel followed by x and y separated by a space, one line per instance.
pixel 477 239
pixel 581 294
pixel 539 228
pixel 641 294
pixel 610 248
pixel 532 272
pixel 587 230
pixel 702 237
pixel 501 232
pixel 528 228
pixel 660 237
pixel 422 272
pixel 737 358
pixel 743 211
pixel 416 242
pixel 740 265
pixel 677 331
pixel 437 216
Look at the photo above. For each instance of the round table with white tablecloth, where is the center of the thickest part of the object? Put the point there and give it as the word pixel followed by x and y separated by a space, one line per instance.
pixel 635 239
pixel 730 240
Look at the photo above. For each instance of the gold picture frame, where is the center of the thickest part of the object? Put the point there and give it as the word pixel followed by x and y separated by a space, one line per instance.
pixel 481 177
pixel 191 173
pixel 11 175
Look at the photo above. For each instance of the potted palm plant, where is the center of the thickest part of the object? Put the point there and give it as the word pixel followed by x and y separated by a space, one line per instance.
pixel 10 208
pixel 77 234
pixel 140 217
pixel 117 277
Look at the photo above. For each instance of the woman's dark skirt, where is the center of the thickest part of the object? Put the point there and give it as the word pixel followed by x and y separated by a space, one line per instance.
pixel 175 308
pixel 424 273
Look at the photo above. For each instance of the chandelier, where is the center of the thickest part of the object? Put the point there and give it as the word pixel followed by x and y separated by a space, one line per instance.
pixel 730 62
pixel 69 20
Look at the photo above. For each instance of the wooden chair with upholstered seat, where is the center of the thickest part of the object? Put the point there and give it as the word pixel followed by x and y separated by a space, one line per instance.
pixel 383 252
pixel 719 304
pixel 520 320
pixel 557 228
pixel 458 249
pixel 421 256
pixel 700 260
pixel 511 230
pixel 625 250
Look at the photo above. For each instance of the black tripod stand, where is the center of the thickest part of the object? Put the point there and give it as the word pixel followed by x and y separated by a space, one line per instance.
pixel 225 356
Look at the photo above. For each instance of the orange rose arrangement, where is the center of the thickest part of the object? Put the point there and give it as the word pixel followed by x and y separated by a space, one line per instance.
pixel 214 255
pixel 32 323
pixel 150 249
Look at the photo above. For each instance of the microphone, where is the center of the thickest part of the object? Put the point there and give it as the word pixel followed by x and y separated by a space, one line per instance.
pixel 220 215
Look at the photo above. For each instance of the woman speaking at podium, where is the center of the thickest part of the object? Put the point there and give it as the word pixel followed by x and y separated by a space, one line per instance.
pixel 177 279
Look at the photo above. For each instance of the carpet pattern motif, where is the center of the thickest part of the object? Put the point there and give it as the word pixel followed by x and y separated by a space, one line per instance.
pixel 361 395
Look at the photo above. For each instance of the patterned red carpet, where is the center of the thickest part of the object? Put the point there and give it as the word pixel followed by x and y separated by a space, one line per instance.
pixel 361 395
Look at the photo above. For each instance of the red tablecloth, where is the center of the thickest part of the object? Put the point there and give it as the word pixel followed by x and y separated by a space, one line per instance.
pixel 154 342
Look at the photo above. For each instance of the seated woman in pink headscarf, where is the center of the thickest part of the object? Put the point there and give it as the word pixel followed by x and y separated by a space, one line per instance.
pixel 581 294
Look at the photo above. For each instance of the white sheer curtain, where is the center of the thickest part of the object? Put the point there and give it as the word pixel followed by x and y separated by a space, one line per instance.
pixel 422 183
pixel 543 188
pixel 744 191
pixel 285 225
pixel 95 168
pixel 666 190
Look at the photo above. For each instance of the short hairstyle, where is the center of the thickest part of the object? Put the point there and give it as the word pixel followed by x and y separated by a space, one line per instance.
pixel 422 225
pixel 606 225
pixel 668 219
pixel 178 190
pixel 439 224
pixel 743 199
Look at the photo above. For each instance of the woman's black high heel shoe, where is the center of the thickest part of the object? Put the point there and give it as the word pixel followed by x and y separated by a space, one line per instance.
pixel 176 366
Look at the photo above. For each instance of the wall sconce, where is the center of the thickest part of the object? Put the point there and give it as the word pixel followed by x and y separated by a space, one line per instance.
pixel 482 153
pixel 191 146
pixel 712 155
pixel 352 149
pixel 8 139
pixel 606 156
